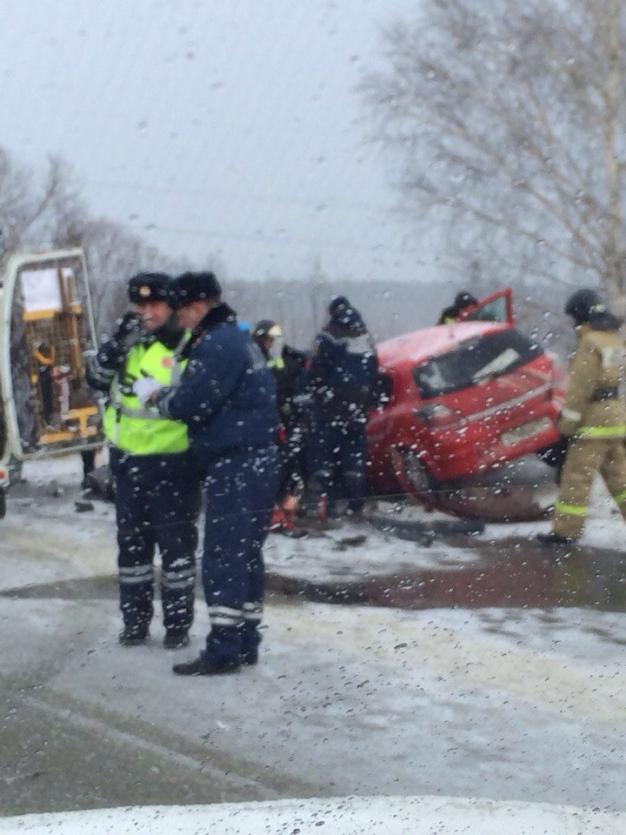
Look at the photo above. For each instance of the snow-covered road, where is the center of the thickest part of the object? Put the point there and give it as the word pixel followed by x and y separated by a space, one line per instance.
pixel 500 702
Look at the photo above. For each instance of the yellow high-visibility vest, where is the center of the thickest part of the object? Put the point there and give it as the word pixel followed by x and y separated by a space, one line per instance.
pixel 133 427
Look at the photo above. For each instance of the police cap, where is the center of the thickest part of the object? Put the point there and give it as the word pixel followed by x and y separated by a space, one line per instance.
pixel 191 287
pixel 149 287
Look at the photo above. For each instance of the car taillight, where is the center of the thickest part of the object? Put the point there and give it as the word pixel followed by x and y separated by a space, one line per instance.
pixel 436 415
pixel 3 474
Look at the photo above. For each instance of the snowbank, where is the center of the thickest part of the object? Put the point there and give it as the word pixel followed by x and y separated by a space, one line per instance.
pixel 337 816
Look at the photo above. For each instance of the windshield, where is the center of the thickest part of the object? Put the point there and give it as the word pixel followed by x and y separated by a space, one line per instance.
pixel 473 361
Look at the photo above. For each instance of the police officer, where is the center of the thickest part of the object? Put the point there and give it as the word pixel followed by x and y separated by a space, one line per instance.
pixel 227 398
pixel 342 380
pixel 593 417
pixel 157 493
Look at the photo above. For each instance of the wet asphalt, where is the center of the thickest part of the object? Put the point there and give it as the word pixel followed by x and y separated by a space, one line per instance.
pixel 94 759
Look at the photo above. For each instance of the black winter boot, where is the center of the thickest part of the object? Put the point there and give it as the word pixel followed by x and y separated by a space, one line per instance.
pixel 250 640
pixel 176 638
pixel 202 666
pixel 552 539
pixel 133 636
pixel 249 657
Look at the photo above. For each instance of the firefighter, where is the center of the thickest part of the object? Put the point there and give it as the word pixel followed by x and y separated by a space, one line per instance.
pixel 593 417
pixel 288 366
pixel 157 493
pixel 342 380
pixel 227 398
pixel 265 334
pixel 451 314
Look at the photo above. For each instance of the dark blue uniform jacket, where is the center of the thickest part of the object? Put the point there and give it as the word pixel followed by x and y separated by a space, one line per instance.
pixel 227 394
pixel 344 369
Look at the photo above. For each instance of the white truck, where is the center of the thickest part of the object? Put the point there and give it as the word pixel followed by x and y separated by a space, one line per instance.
pixel 46 329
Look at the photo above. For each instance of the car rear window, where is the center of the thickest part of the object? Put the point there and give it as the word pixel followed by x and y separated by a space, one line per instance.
pixel 474 360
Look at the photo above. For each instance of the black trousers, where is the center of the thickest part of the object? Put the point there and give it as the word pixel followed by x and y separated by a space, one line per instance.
pixel 157 500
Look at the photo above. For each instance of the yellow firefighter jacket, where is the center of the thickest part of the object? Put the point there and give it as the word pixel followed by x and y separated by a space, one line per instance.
pixel 594 405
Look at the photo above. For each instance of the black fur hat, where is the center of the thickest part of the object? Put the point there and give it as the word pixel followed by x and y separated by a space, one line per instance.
pixel 191 287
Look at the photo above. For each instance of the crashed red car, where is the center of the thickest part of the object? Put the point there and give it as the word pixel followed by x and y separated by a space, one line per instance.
pixel 462 399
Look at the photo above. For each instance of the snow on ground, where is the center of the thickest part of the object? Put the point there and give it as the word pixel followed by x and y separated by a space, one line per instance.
pixel 604 527
pixel 327 557
pixel 508 704
pixel 341 816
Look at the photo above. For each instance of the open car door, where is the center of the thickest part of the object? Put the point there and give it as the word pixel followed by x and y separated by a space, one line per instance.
pixel 47 326
pixel 497 307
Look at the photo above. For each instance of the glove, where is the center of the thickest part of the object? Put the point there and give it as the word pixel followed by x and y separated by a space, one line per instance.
pixel 128 330
pixel 145 388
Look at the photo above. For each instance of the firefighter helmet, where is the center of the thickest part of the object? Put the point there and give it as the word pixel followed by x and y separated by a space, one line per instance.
pixel 582 304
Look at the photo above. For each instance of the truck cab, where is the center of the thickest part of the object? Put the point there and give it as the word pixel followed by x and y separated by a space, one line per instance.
pixel 46 330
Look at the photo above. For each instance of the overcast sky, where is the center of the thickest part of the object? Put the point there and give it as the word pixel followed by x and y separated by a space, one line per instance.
pixel 227 126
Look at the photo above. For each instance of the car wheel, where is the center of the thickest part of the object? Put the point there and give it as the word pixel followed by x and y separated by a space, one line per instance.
pixel 410 470
pixel 3 503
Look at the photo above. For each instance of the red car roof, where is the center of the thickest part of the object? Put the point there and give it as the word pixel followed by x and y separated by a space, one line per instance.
pixel 427 342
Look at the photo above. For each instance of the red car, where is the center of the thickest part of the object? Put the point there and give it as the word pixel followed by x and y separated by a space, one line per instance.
pixel 463 398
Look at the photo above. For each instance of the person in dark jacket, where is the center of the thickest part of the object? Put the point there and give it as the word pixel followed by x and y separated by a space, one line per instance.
pixel 43 356
pixel 288 368
pixel 462 301
pixel 342 380
pixel 227 399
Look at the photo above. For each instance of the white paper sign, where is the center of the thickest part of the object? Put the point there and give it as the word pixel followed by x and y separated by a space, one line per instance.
pixel 40 289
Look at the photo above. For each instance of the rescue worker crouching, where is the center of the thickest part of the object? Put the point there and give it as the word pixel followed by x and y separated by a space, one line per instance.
pixel 157 496
pixel 227 398
pixel 593 417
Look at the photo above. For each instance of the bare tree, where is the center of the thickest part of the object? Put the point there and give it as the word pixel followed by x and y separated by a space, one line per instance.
pixel 24 204
pixel 510 124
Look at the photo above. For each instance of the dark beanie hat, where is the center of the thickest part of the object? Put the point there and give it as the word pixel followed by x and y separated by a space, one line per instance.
pixel 191 287
pixel 149 287
pixel 337 302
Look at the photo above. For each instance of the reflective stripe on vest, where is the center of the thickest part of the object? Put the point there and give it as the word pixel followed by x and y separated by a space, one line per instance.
pixel 571 509
pixel 139 429
pixel 620 497
pixel 276 363
pixel 602 432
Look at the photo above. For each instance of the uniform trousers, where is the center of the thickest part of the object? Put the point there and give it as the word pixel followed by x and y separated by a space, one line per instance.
pixel 157 500
pixel 241 487
pixel 586 457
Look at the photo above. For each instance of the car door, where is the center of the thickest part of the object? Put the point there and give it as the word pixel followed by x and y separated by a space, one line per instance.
pixel 496 307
